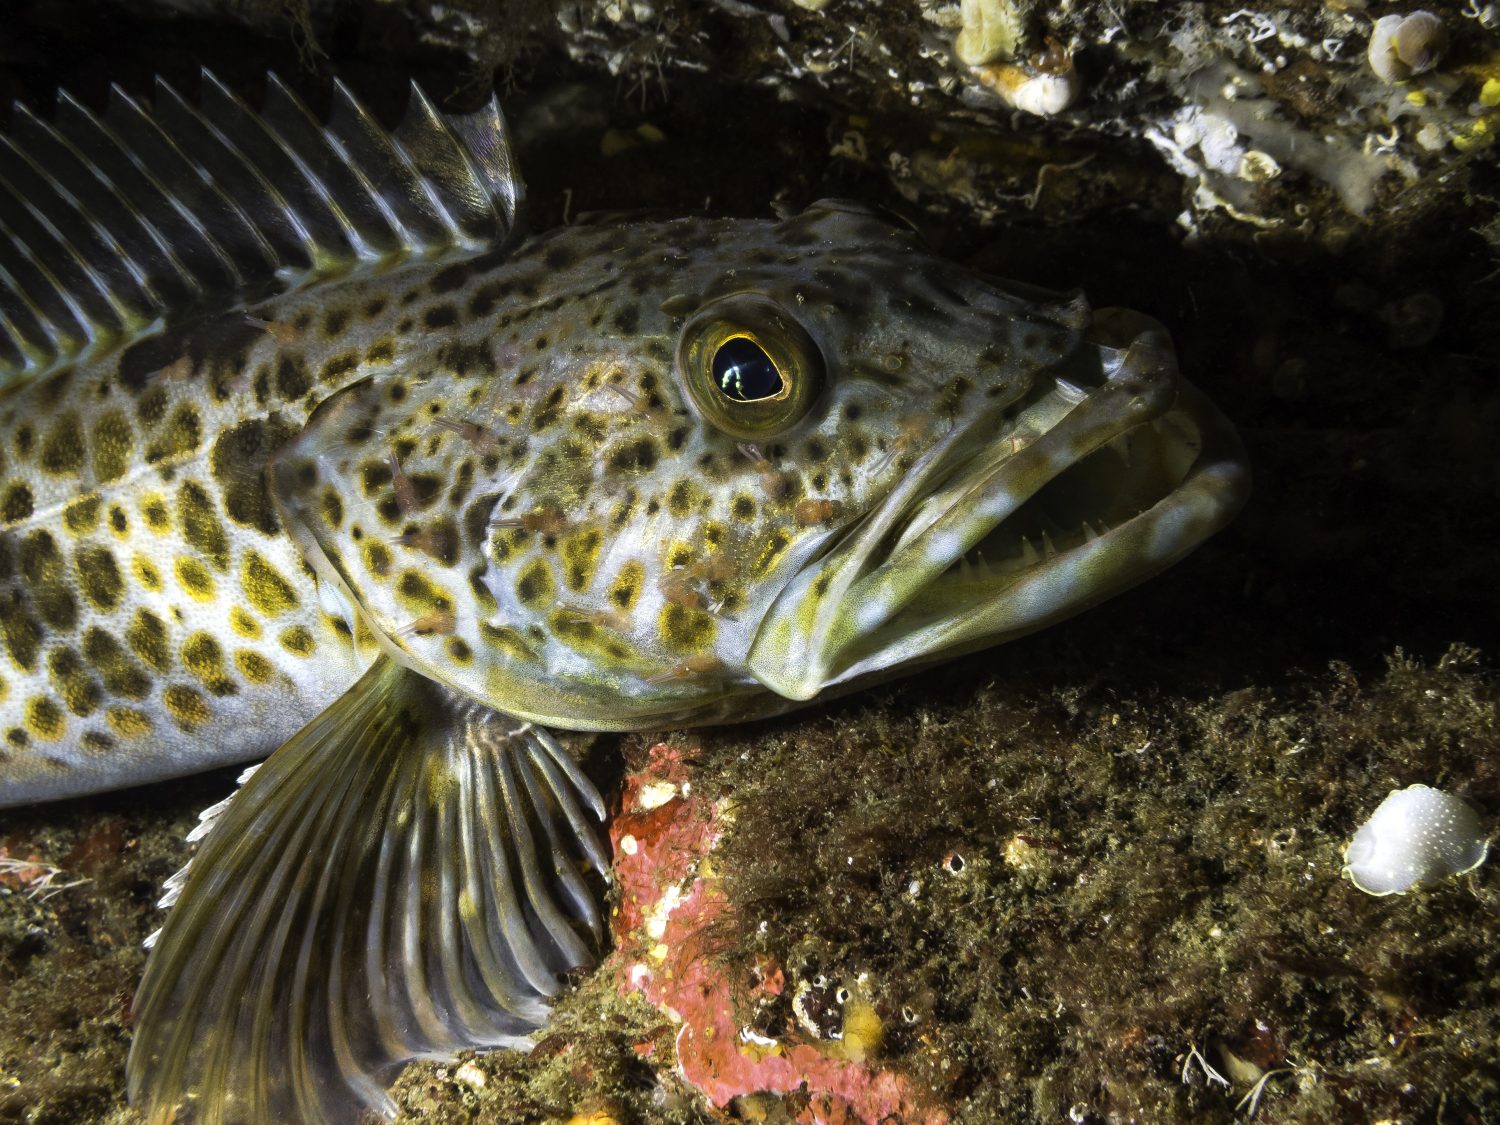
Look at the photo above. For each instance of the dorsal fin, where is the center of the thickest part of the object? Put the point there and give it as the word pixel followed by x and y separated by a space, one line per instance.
pixel 113 224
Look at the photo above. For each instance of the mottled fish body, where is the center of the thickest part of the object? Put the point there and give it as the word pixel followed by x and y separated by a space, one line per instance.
pixel 403 500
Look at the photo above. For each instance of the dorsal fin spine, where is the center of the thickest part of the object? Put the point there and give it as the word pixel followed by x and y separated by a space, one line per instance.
pixel 114 224
pixel 67 104
pixel 123 103
pixel 224 187
pixel 63 199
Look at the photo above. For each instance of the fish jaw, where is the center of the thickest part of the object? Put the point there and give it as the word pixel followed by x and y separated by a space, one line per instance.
pixel 1096 485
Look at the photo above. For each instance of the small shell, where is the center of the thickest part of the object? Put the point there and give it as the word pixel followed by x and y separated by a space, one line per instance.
pixel 1418 836
pixel 1258 167
pixel 1402 47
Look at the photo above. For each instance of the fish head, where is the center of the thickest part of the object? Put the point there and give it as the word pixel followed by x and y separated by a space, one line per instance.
pixel 711 468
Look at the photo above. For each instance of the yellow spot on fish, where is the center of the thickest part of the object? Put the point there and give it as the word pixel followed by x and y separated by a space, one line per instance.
pixel 73 682
pixel 114 443
pixel 267 590
pixel 536 587
pixel 204 658
pixel 420 594
pixel 147 638
pixel 81 516
pixel 512 642
pixel 99 577
pixel 195 578
pixel 157 514
pixel 298 641
pixel 186 706
pixel 243 622
pixel 580 552
pixel 775 544
pixel 146 573
pixel 627 585
pixel 127 722
pixel 684 629
pixel 254 667
pixel 45 719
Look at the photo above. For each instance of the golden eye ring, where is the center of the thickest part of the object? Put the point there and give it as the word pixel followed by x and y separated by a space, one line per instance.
pixel 749 367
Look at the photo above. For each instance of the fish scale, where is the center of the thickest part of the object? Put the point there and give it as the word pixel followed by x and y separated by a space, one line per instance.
pixel 326 468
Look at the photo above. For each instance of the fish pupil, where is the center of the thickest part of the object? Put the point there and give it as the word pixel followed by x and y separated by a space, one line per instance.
pixel 744 372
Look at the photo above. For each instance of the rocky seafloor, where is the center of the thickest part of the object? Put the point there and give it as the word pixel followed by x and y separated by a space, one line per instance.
pixel 1093 875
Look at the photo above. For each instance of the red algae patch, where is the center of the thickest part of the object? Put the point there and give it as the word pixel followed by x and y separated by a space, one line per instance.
pixel 670 930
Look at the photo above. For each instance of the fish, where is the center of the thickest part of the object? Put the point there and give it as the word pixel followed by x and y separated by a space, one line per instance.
pixel 308 458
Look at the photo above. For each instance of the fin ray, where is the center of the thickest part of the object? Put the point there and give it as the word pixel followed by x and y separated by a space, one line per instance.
pixel 113 224
pixel 375 893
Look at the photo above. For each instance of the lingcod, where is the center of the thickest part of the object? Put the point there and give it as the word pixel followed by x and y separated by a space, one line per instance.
pixel 307 457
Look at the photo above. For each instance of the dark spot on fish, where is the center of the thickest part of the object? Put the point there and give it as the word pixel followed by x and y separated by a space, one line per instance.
pixel 21 631
pixel 147 638
pixel 62 452
pixel 642 453
pixel 81 516
pixel 121 674
pixel 18 503
pixel 46 581
pixel 99 576
pixel 113 445
pixel 292 379
pixel 441 316
pixel 200 524
pixel 179 437
pixel 339 367
pixel 238 465
pixel 487 296
pixel 627 319
pixel 151 405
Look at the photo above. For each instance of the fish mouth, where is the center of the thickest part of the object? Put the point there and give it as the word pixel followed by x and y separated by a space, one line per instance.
pixel 1105 473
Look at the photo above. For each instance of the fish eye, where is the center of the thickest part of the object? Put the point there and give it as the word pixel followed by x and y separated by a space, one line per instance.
pixel 744 372
pixel 748 366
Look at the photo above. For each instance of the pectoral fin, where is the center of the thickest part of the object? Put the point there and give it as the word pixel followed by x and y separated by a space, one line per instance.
pixel 402 879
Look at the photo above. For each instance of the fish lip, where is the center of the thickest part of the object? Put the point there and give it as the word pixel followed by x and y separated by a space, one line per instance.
pixel 869 606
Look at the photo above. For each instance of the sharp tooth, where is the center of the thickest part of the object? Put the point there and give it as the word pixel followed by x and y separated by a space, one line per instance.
pixel 1121 446
pixel 1089 534
pixel 1029 555
pixel 1048 550
pixel 981 566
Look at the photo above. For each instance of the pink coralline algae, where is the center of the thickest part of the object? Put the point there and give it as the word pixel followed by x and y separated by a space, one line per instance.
pixel 671 903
